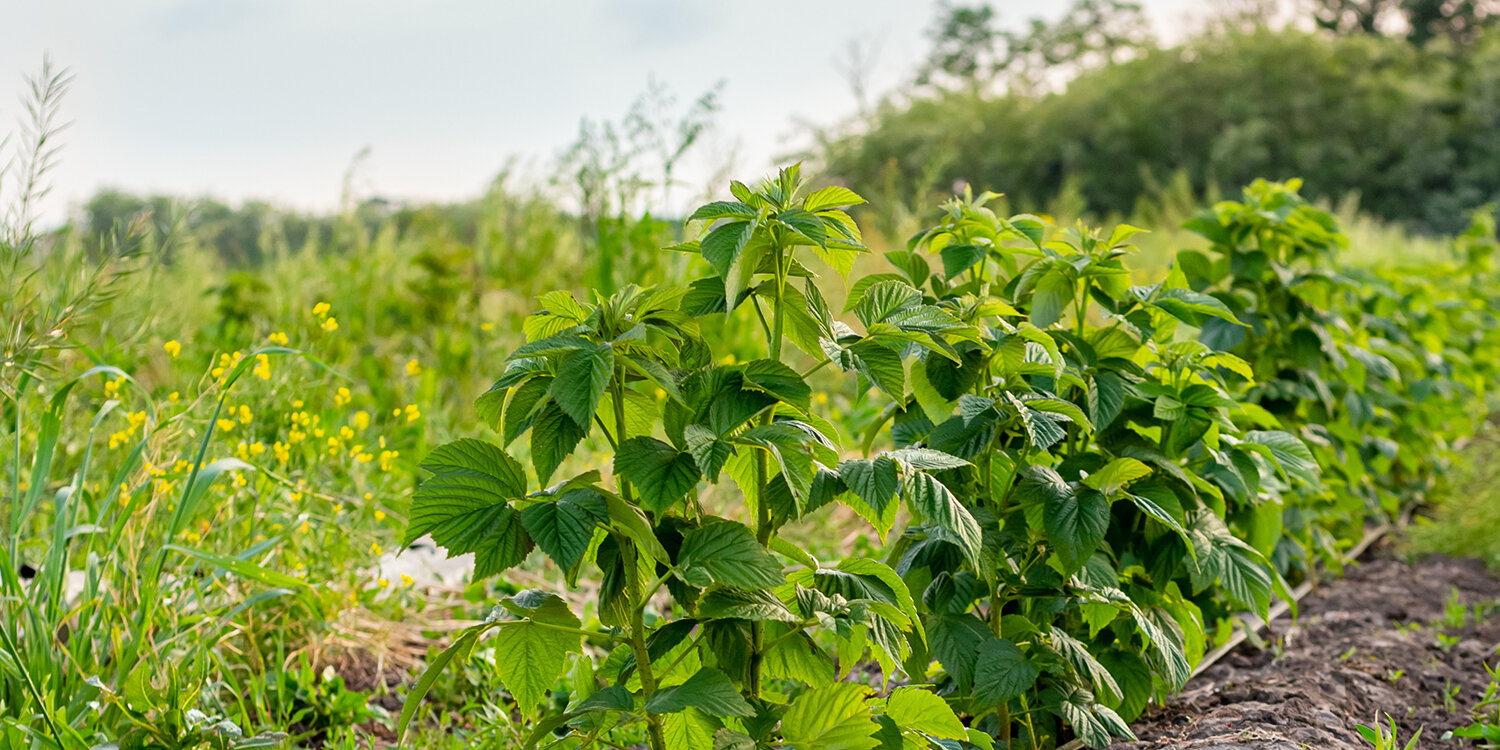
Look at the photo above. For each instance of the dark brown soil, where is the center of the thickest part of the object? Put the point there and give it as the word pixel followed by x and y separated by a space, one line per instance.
pixel 1364 644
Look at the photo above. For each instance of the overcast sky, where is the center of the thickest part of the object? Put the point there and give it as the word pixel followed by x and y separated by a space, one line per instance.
pixel 272 98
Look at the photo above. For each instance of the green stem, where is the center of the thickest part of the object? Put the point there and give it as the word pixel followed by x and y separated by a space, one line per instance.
pixel 648 676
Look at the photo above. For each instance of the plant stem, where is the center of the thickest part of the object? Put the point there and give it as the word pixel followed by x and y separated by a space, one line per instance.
pixel 763 524
pixel 648 676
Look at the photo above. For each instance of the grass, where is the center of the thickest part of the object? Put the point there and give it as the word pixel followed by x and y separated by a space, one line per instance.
pixel 1465 515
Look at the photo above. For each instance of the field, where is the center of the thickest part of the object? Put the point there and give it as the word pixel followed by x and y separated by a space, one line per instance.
pixel 795 470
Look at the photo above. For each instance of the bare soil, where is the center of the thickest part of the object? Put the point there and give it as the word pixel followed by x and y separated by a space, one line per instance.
pixel 1363 644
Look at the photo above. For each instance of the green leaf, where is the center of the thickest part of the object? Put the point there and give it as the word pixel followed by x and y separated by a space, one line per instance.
pixel 779 381
pixel 554 435
pixel 1292 455
pixel 661 474
pixel 708 690
pixel 926 495
pixel 1116 475
pixel 563 528
pixel 709 451
pixel 1084 662
pixel 1053 293
pixel 960 258
pixel 832 717
pixel 530 658
pixel 831 197
pixel 726 552
pixel 465 506
pixel 243 568
pixel 1002 672
pixel 723 210
pixel 915 709
pixel 520 411
pixel 418 691
pixel 722 247
pixel 738 604
pixel 885 298
pixel 1075 524
pixel 874 480
pixel 881 365
pixel 582 378
pixel 1192 307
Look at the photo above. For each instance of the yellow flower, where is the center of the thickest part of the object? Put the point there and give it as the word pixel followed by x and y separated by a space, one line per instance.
pixel 173 348
pixel 257 448
pixel 245 415
pixel 321 309
pixel 361 420
pixel 346 432
pixel 412 414
pixel 294 496
pixel 369 496
pixel 279 338
pixel 281 451
pixel 112 387
pixel 342 397
pixel 173 396
pixel 226 425
pixel 303 528
pixel 262 367
pixel 386 457
pixel 383 583
pixel 375 549
pixel 330 324
pixel 413 367
pixel 379 515
pixel 820 398
pixel 240 480
pixel 297 404
pixel 406 580
pixel 181 466
pixel 486 327
pixel 338 507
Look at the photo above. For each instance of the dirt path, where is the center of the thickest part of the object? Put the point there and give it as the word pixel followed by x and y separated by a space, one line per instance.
pixel 1366 643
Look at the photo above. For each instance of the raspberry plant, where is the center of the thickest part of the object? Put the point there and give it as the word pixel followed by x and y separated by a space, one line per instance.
pixel 1091 474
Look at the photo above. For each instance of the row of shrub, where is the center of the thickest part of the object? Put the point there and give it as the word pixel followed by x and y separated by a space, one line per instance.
pixel 1090 474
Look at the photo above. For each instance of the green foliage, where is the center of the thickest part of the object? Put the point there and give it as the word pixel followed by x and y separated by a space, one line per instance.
pixel 1094 473
pixel 1410 131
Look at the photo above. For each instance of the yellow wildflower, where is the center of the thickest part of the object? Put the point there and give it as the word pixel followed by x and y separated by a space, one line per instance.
pixel 245 416
pixel 173 396
pixel 379 515
pixel 361 420
pixel 279 338
pixel 406 580
pixel 330 324
pixel 413 367
pixel 262 367
pixel 342 396
pixel 375 549
pixel 226 425
pixel 321 309
pixel 412 414
pixel 173 348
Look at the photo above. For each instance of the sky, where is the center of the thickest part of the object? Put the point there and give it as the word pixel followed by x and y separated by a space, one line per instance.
pixel 272 99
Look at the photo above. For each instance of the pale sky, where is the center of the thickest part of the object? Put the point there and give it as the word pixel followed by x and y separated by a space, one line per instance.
pixel 271 99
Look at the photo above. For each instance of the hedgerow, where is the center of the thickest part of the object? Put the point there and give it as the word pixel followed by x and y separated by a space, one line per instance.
pixel 1090 475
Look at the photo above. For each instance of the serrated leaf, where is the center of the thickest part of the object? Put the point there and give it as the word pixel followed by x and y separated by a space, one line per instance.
pixel 931 498
pixel 831 197
pixel 661 474
pixel 530 658
pixel 1290 453
pixel 563 528
pixel 832 717
pixel 708 690
pixel 723 246
pixel 1117 475
pixel 1002 672
pixel 727 552
pixel 554 435
pixel 728 603
pixel 582 378
pixel 1075 523
pixel 915 709
pixel 874 480
pixel 779 381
